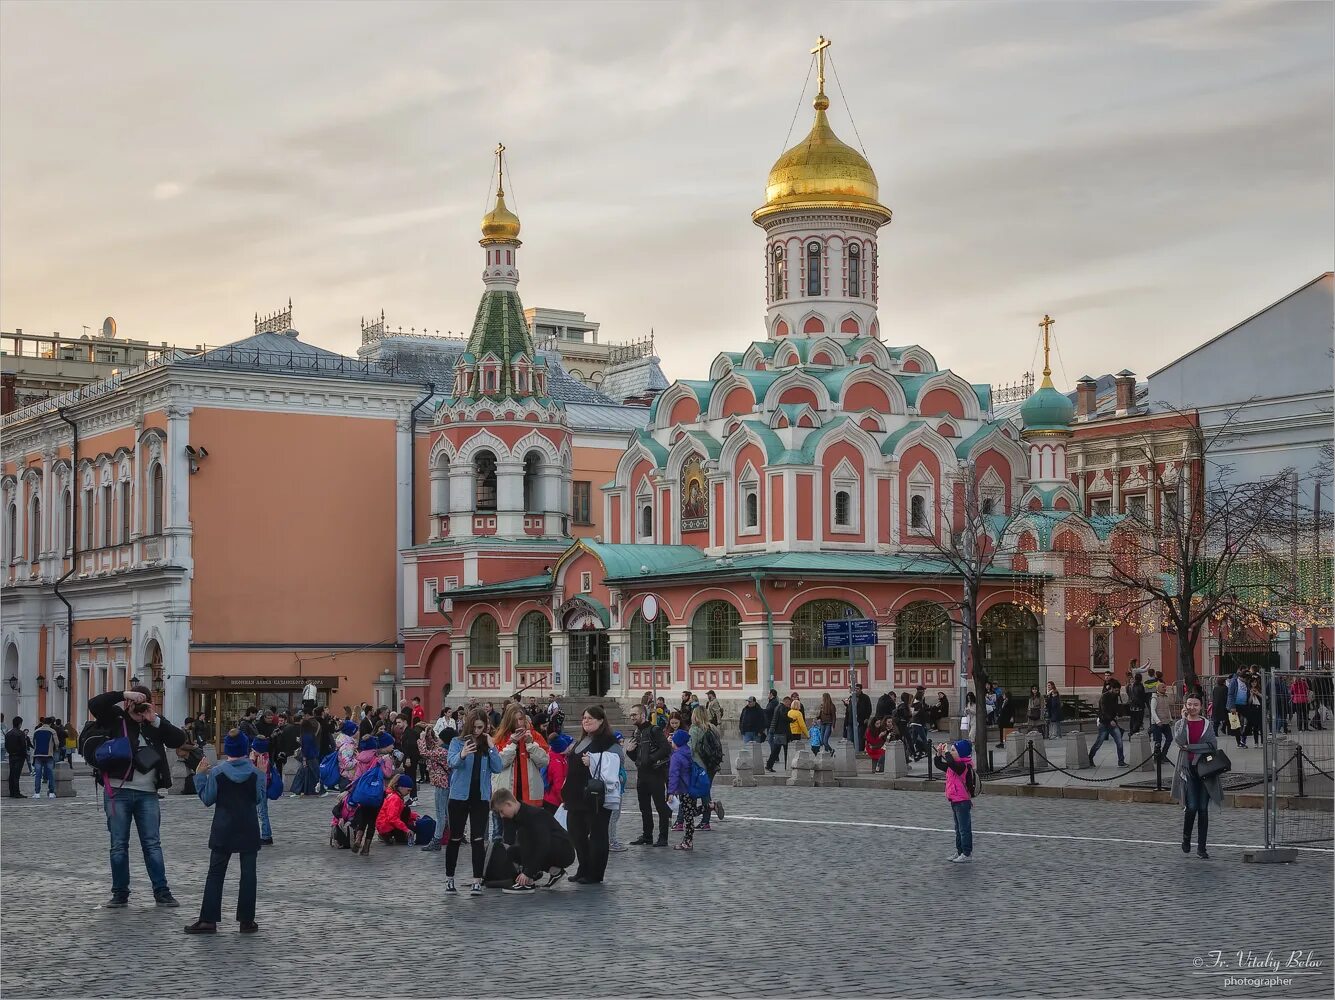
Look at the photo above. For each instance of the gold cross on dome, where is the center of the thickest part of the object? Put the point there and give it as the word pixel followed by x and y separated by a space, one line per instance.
pixel 822 43
pixel 500 168
pixel 1047 324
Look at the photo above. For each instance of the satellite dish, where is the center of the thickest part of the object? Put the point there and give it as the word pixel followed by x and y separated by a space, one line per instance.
pixel 109 328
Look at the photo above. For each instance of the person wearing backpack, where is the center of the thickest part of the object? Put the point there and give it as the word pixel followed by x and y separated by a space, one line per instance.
pixel 592 792
pixel 707 751
pixel 363 796
pixel 955 760
pixel 133 740
pixel 472 761
pixel 679 788
pixel 235 788
pixel 650 751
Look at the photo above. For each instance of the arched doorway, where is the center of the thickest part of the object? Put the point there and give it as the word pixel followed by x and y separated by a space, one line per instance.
pixel 8 690
pixel 1009 636
pixel 585 622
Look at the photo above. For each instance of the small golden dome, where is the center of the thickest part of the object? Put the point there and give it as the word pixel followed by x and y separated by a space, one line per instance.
pixel 821 172
pixel 500 223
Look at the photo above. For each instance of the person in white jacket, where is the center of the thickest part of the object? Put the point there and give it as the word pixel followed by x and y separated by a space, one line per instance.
pixel 1161 720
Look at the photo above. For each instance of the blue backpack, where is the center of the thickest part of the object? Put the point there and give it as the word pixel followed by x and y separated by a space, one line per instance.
pixel 274 789
pixel 330 775
pixel 369 789
pixel 699 784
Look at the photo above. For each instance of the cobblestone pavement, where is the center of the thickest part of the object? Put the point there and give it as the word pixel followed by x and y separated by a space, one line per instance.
pixel 850 895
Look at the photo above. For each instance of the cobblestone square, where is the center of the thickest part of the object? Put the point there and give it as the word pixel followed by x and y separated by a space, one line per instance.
pixel 801 892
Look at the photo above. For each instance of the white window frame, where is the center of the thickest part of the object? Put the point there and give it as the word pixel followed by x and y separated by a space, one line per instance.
pixel 430 589
pixel 1112 639
pixel 990 487
pixel 1100 506
pixel 1143 515
pixel 920 483
pixel 747 487
pixel 641 502
pixel 845 480
pixel 586 582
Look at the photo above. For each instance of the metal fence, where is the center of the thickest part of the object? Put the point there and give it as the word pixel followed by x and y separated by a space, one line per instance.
pixel 1299 750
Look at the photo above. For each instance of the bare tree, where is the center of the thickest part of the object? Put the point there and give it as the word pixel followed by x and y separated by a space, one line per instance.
pixel 973 548
pixel 1207 551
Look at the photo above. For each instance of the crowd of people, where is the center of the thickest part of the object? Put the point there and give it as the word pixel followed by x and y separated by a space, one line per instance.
pixel 37 752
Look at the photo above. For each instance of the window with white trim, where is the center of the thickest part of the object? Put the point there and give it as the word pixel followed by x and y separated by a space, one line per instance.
pixel 1135 507
pixel 586 582
pixel 645 521
pixel 1100 506
pixel 845 488
pixel 922 497
pixel 749 488
pixel 430 589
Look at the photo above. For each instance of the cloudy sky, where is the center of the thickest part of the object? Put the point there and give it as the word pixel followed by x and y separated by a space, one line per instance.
pixel 1149 174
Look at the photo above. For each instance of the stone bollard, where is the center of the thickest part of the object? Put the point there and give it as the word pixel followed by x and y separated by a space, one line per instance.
pixel 1016 742
pixel 65 783
pixel 896 760
pixel 747 765
pixel 1077 751
pixel 1286 767
pixel 825 771
pixel 845 760
pixel 955 736
pixel 802 768
pixel 1138 748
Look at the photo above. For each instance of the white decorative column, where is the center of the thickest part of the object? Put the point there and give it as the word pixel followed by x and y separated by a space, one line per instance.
pixel 176 523
pixel 510 498
pixel 461 499
pixel 440 498
pixel 618 662
pixel 553 503
pixel 679 638
pixel 560 663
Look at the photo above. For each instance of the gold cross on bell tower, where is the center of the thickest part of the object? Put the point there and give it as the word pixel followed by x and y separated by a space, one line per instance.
pixel 822 43
pixel 500 169
pixel 1047 324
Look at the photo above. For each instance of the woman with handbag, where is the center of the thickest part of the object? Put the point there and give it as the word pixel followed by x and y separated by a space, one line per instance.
pixel 1200 763
pixel 592 792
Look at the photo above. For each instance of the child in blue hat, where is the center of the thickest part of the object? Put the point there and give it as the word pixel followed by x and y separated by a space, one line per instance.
pixel 956 761
pixel 235 789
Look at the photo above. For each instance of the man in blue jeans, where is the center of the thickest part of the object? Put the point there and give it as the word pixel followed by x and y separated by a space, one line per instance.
pixel 44 743
pixel 131 794
pixel 1108 706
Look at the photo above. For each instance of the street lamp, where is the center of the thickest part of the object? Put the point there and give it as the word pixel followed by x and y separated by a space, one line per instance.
pixel 41 682
pixel 60 681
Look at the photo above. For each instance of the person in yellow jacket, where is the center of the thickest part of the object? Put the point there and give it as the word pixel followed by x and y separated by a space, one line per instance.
pixel 797 720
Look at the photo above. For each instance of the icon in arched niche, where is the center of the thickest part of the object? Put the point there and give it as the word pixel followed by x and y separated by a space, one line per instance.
pixel 694 495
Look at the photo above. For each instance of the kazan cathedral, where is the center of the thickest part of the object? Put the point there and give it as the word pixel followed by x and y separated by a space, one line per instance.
pixel 810 475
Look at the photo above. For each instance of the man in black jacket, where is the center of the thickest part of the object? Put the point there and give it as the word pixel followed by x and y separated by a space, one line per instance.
pixel 752 724
pixel 1109 702
pixel 16 745
pixel 770 707
pixel 132 794
pixel 649 749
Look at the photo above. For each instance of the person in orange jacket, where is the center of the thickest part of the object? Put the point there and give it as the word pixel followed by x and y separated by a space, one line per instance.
pixel 395 820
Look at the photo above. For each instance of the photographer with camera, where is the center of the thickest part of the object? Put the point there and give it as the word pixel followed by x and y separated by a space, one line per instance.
pixel 131 783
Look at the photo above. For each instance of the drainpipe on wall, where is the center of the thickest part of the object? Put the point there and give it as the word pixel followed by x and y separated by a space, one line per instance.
pixel 430 389
pixel 74 562
pixel 769 629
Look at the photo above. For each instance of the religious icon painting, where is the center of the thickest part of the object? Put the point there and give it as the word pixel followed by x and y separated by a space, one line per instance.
pixel 694 495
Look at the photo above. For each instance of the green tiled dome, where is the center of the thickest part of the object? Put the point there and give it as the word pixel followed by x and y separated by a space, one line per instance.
pixel 1047 410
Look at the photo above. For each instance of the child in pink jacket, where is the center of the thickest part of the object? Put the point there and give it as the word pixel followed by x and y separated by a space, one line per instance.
pixel 955 760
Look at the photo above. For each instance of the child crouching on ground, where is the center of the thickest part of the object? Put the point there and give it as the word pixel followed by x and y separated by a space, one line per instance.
pixel 956 760
pixel 395 820
pixel 235 789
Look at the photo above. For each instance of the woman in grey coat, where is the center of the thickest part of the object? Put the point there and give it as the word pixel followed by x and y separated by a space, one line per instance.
pixel 1194 736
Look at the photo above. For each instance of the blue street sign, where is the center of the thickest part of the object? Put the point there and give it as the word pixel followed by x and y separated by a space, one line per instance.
pixel 850 632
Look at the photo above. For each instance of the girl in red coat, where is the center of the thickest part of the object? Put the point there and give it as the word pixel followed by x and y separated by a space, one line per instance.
pixel 877 734
pixel 395 820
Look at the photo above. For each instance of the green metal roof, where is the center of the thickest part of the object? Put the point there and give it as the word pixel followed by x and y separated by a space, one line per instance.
pixel 1047 410
pixel 543 581
pixel 775 450
pixel 658 451
pixel 765 347
pixel 623 560
pixel 891 442
pixel 911 384
pixel 966 444
pixel 801 563
pixel 499 329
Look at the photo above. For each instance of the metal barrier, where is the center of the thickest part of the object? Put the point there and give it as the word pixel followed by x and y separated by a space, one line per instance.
pixel 1299 751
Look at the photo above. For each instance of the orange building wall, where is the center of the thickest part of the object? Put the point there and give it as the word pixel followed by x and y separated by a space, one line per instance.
pixel 595 466
pixel 325 576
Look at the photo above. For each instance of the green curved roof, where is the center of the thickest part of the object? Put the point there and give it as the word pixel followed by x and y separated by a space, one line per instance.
pixel 655 449
pixel 1047 410
pixel 622 559
pixel 889 445
pixel 765 347
pixel 967 444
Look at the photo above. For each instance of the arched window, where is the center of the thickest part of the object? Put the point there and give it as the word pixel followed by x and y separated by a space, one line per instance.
pixel 535 640
pixel 1009 634
pixel 808 634
pixel 843 508
pixel 648 640
pixel 86 520
pixel 989 505
pixel 777 272
pixel 34 530
pixel 491 380
pixel 918 512
pixel 66 523
pixel 922 634
pixel 716 633
pixel 484 481
pixel 155 499
pixel 813 269
pixel 105 538
pixel 124 489
pixel 532 482
pixel 11 532
pixel 752 509
pixel 647 521
pixel 854 271
pixel 484 642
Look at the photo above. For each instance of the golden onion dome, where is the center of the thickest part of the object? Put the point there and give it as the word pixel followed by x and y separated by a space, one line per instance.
pixel 821 171
pixel 500 223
